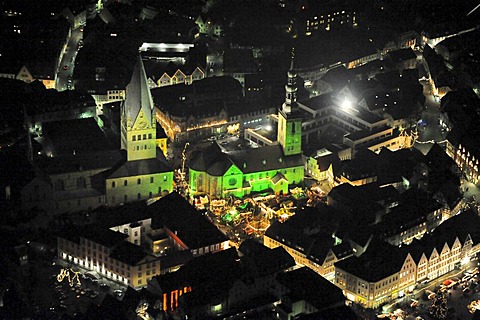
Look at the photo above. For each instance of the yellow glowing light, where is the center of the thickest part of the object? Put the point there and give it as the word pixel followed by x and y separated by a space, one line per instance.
pixel 68 274
pixel 207 125
pixel 346 104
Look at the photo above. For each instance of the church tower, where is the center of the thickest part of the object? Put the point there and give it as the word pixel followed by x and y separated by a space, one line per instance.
pixel 138 123
pixel 289 119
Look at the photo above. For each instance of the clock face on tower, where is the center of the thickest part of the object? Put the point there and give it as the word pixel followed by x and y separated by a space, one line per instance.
pixel 142 124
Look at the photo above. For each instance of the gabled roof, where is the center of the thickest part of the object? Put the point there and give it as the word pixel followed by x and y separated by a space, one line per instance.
pixel 129 253
pixel 437 157
pixel 140 167
pixel 381 260
pixel 180 217
pixel 114 216
pixel 216 162
pixel 95 233
pixel 305 284
pixel 261 260
pixel 211 160
pixel 324 162
pixel 263 159
pixel 73 163
pixel 222 268
pixel 460 226
pixel 75 136
pixel 277 177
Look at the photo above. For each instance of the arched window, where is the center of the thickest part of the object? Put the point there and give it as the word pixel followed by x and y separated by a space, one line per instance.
pixel 81 183
pixel 125 182
pixel 139 181
pixel 59 185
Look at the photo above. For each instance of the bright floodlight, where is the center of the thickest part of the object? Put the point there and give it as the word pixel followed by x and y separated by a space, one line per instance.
pixel 346 104
pixel 268 127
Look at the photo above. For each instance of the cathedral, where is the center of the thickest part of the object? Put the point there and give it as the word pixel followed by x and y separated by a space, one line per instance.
pixel 78 168
pixel 219 173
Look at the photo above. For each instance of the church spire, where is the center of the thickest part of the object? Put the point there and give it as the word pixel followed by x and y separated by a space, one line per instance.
pixel 289 132
pixel 138 120
pixel 291 88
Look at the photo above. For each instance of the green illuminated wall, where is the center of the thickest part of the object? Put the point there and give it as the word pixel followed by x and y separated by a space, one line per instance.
pixel 235 182
pixel 289 134
pixel 127 189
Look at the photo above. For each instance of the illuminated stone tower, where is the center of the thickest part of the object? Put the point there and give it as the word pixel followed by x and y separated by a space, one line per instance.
pixel 289 119
pixel 137 117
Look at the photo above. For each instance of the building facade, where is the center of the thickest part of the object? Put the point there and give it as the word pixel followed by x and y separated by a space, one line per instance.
pixel 132 253
pixel 241 172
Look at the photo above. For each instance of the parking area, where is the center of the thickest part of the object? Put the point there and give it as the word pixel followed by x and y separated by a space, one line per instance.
pixel 59 289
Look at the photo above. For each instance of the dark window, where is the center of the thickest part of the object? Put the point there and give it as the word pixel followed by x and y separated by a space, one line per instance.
pixel 59 185
pixel 81 183
pixel 139 181
pixel 125 182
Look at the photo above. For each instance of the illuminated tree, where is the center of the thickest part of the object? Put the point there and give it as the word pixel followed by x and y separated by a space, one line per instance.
pixel 438 309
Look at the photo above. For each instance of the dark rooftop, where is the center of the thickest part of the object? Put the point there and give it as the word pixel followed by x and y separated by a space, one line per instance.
pixel 129 253
pixel 381 260
pixel 76 136
pixel 71 163
pixel 141 167
pixel 191 227
pixel 305 284
pixel 115 216
pixel 95 233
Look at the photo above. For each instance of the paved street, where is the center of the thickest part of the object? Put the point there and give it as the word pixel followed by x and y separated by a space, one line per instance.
pixel 457 299
pixel 429 129
pixel 65 69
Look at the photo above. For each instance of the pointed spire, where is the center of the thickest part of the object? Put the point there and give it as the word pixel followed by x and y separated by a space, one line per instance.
pixel 138 95
pixel 291 88
pixel 292 59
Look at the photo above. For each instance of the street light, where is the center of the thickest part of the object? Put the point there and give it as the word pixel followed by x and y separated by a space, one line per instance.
pixel 346 104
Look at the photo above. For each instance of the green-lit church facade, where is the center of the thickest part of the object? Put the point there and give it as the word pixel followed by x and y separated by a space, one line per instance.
pixel 240 173
pixel 276 168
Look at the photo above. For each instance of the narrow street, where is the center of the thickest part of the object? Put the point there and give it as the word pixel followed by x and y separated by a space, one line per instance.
pixel 429 129
pixel 65 70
